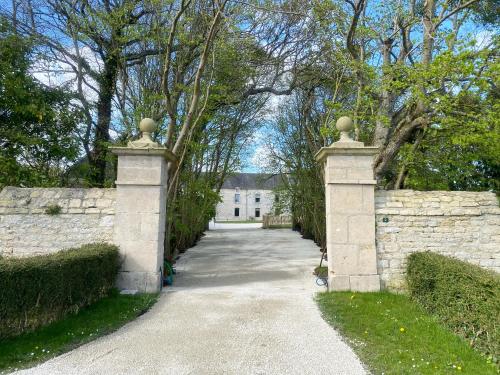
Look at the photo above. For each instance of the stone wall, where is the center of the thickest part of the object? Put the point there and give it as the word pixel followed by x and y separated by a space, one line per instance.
pixel 86 215
pixel 465 225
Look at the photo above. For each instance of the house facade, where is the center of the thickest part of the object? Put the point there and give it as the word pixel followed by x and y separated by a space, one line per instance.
pixel 246 196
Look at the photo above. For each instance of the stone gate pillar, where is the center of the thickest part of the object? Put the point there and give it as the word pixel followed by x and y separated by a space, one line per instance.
pixel 139 226
pixel 350 212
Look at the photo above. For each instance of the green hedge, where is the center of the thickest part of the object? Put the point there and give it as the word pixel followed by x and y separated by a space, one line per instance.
pixel 463 296
pixel 37 290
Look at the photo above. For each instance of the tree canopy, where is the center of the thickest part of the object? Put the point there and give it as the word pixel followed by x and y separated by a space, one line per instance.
pixel 419 78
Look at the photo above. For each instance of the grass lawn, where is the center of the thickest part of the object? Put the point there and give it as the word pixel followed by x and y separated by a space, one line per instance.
pixel 321 271
pixel 89 323
pixel 392 335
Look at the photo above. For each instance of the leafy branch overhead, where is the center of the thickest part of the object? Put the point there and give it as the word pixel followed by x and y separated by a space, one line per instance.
pixel 419 78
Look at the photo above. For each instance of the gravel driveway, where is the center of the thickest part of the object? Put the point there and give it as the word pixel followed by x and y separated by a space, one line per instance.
pixel 242 304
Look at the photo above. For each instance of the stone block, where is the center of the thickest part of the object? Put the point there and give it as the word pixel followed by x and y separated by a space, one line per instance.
pixel 338 228
pixel 35 193
pixel 346 199
pixel 144 282
pixel 467 203
pixel 127 227
pixel 342 258
pixel 107 221
pixel 139 199
pixel 139 176
pixel 73 203
pixel 359 173
pixel 140 162
pixel 142 257
pixel 394 204
pixel 364 283
pixel 367 259
pixel 368 199
pixel 151 227
pixel 336 173
pixel 102 203
pixel 337 283
pixel 89 203
pixel 94 193
pixel 361 229
pixel 436 212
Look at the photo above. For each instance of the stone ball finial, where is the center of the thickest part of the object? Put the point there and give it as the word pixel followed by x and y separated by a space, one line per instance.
pixel 345 125
pixel 147 125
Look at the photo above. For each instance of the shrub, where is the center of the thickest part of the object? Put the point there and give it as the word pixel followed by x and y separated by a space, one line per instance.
pixel 463 296
pixel 37 290
pixel 53 209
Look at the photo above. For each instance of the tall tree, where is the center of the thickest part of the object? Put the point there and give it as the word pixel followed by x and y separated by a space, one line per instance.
pixel 90 41
pixel 37 124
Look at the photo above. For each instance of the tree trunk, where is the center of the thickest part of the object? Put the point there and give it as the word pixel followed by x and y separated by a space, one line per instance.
pixel 404 131
pixel 384 112
pixel 101 134
pixel 417 116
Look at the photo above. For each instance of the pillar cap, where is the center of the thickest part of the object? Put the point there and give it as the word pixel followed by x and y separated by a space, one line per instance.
pixel 151 151
pixel 346 149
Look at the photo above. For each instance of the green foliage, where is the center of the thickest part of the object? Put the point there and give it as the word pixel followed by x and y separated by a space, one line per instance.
pixel 321 271
pixel 463 296
pixel 300 130
pixel 96 320
pixel 37 124
pixel 192 210
pixel 460 150
pixel 53 209
pixel 38 290
pixel 393 335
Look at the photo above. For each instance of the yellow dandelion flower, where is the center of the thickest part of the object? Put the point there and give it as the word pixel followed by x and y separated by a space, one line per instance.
pixel 401 329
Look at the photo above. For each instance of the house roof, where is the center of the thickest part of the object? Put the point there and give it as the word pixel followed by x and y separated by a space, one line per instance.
pixel 251 181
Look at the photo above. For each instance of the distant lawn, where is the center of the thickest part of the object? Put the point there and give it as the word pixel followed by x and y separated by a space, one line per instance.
pixel 280 226
pixel 392 335
pixel 101 318
pixel 239 222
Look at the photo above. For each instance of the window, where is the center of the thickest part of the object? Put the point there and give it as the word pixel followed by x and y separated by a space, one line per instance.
pixel 257 197
pixel 236 211
pixel 257 212
pixel 237 198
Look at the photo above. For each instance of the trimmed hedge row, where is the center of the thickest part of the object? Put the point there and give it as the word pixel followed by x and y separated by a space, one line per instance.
pixel 37 290
pixel 465 297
